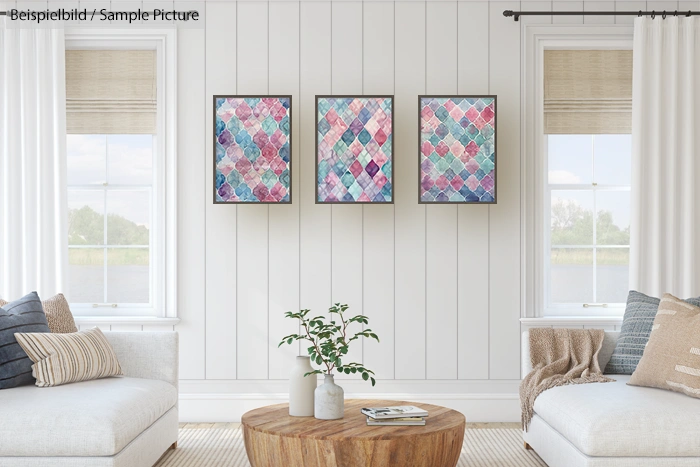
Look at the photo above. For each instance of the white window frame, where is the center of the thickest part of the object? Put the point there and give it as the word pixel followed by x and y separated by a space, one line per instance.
pixel 163 247
pixel 534 193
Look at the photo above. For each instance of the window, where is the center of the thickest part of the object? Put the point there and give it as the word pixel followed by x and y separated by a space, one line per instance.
pixel 121 174
pixel 110 219
pixel 588 214
pixel 586 157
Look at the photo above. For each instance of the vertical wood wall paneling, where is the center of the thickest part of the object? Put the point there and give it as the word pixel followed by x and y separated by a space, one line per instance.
pixel 598 6
pixel 628 6
pixel 541 5
pixel 409 294
pixel 315 219
pixel 441 219
pixel 346 219
pixel 253 284
pixel 378 221
pixel 504 272
pixel 567 6
pixel 194 198
pixel 284 219
pixel 473 220
pixel 221 236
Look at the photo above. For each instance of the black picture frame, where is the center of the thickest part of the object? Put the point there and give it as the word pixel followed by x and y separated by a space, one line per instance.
pixel 495 145
pixel 291 149
pixel 393 145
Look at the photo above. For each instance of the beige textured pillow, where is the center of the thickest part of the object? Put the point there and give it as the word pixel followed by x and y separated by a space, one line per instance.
pixel 671 359
pixel 68 358
pixel 58 314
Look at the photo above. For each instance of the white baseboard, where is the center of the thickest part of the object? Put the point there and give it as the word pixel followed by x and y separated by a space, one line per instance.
pixel 229 407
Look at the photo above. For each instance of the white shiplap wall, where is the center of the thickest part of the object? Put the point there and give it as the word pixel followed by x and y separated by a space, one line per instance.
pixel 441 284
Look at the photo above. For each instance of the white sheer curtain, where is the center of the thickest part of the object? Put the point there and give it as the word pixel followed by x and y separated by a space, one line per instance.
pixel 665 228
pixel 33 206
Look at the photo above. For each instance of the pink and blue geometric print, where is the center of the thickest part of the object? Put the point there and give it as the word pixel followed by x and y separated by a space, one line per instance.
pixel 354 149
pixel 457 149
pixel 252 149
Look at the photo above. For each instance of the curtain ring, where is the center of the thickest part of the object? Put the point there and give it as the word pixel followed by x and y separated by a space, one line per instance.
pixel 688 15
pixel 675 13
pixel 664 15
pixel 640 14
pixel 653 14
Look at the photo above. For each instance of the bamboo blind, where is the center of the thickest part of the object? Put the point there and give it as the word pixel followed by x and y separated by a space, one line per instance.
pixel 587 91
pixel 111 91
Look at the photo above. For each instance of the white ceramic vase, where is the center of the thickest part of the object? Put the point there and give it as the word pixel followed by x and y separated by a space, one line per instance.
pixel 329 400
pixel 301 389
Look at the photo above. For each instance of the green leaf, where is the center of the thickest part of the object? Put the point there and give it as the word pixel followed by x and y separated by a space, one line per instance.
pixel 346 370
pixel 354 370
pixel 337 361
pixel 319 360
pixel 365 376
pixel 373 381
pixel 290 340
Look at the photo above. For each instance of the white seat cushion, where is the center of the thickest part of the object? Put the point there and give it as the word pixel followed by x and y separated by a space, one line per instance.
pixel 90 418
pixel 616 420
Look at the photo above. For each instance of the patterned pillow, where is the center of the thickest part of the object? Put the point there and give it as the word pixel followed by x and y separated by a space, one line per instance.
pixel 672 357
pixel 634 335
pixel 68 358
pixel 58 314
pixel 23 315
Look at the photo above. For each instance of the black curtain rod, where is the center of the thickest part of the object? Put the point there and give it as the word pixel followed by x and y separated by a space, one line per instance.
pixel 517 14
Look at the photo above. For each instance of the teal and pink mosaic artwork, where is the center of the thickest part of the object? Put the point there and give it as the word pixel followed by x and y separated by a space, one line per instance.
pixel 252 149
pixel 354 149
pixel 457 149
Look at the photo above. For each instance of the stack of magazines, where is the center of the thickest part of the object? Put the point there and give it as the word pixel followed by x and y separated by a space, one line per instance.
pixel 402 415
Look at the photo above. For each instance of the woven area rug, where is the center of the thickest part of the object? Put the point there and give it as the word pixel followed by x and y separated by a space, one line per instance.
pixel 222 446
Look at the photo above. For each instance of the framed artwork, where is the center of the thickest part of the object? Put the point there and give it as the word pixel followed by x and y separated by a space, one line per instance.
pixel 354 149
pixel 252 149
pixel 457 149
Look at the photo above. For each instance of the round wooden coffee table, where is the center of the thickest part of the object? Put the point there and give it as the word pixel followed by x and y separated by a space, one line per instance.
pixel 273 438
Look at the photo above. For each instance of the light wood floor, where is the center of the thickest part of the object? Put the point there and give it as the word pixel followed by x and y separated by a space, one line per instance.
pixel 204 426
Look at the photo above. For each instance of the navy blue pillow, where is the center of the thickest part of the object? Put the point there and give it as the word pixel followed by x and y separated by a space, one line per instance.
pixel 23 315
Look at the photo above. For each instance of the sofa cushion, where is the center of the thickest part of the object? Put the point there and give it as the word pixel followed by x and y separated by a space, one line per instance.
pixel 22 315
pixel 636 326
pixel 69 357
pixel 90 418
pixel 617 420
pixel 58 313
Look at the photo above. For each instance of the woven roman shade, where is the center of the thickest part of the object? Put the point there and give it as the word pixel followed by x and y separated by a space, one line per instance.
pixel 111 91
pixel 587 91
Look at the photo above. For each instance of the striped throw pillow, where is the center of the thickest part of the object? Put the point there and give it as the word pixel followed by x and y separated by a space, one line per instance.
pixel 23 315
pixel 58 313
pixel 69 358
pixel 671 359
pixel 634 335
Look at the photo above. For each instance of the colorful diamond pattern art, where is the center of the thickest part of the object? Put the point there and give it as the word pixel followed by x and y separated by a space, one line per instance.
pixel 458 149
pixel 354 149
pixel 252 153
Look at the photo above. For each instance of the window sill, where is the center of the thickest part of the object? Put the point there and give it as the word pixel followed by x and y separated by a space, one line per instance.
pixel 138 320
pixel 572 321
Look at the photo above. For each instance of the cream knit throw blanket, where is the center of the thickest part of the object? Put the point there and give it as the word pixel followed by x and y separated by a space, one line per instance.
pixel 560 357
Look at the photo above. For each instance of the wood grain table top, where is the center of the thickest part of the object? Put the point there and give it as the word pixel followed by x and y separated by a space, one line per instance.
pixel 275 419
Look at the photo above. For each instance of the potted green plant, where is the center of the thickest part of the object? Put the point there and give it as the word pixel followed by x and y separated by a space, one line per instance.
pixel 330 340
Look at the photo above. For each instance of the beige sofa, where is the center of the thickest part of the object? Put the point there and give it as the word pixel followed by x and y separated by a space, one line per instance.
pixel 612 424
pixel 125 421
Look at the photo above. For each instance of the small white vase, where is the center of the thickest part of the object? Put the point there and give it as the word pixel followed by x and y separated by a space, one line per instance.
pixel 301 389
pixel 329 400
